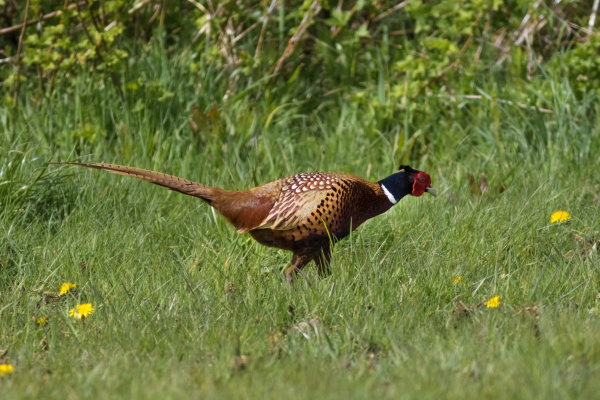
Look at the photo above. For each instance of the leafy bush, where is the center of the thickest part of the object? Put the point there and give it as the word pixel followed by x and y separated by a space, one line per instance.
pixel 292 48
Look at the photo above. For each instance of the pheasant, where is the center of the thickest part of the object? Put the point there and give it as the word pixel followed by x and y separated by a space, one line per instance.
pixel 305 213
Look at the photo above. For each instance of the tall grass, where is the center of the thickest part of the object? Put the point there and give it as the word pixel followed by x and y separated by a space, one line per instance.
pixel 185 307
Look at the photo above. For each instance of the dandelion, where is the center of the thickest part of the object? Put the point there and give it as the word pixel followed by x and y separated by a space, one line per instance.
pixel 41 321
pixel 493 302
pixel 83 310
pixel 65 287
pixel 559 216
pixel 5 369
pixel 457 279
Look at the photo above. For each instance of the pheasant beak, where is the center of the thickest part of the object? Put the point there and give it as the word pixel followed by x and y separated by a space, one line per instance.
pixel 431 191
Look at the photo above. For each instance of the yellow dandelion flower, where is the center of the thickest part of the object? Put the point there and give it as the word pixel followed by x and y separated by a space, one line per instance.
pixel 493 302
pixel 65 287
pixel 457 279
pixel 83 310
pixel 559 216
pixel 41 321
pixel 5 369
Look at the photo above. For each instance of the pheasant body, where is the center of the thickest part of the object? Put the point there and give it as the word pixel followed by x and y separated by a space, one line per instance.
pixel 305 213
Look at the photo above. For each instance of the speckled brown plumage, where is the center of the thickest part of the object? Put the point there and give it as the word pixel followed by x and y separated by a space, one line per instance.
pixel 305 213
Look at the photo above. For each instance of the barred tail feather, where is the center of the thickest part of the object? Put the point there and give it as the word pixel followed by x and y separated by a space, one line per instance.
pixel 171 182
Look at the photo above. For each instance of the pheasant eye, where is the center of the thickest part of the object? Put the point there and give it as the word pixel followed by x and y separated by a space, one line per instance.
pixel 421 179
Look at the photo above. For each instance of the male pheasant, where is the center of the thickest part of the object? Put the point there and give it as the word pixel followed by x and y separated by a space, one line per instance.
pixel 305 213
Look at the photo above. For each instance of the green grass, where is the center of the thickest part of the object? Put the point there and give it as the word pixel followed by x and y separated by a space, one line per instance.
pixel 388 323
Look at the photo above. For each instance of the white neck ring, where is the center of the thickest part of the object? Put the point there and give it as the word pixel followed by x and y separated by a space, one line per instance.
pixel 389 195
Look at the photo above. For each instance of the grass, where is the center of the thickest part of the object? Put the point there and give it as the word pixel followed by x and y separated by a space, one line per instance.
pixel 186 308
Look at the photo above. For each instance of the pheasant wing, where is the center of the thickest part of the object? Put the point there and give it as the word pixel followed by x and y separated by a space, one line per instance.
pixel 300 195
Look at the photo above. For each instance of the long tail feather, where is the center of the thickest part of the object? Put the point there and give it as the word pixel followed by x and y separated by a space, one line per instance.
pixel 158 178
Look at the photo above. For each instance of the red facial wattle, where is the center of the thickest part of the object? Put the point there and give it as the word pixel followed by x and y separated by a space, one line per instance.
pixel 422 181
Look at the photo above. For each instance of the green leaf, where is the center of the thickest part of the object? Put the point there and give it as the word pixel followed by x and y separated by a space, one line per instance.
pixel 139 106
pixel 362 32
pixel 165 96
pixel 338 18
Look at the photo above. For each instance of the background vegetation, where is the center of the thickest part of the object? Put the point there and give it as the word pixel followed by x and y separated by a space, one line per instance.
pixel 497 100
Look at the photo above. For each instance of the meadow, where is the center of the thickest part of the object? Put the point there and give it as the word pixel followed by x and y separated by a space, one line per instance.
pixel 184 307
